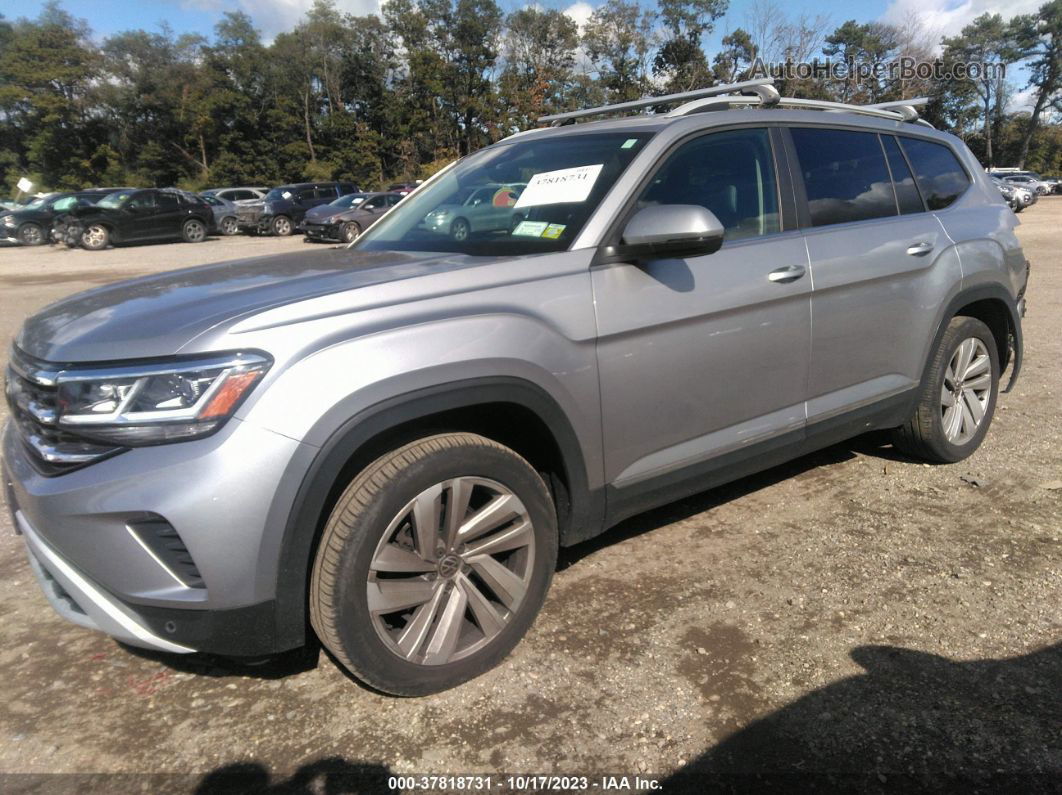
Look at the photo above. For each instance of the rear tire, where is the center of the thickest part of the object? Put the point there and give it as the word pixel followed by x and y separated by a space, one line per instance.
pixel 31 235
pixel 957 398
pixel 228 226
pixel 193 231
pixel 405 601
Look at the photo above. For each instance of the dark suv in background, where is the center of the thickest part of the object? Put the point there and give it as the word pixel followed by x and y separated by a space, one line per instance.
pixel 284 207
pixel 32 225
pixel 137 216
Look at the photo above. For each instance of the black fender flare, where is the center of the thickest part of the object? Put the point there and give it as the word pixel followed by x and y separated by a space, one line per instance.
pixel 981 293
pixel 301 527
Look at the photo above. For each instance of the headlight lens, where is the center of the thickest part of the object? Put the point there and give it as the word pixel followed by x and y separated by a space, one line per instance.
pixel 140 405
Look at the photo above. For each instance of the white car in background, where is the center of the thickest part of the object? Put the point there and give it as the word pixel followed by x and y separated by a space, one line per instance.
pixel 1029 181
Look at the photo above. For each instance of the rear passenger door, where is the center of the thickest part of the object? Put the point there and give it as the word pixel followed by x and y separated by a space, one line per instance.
pixel 169 216
pixel 879 263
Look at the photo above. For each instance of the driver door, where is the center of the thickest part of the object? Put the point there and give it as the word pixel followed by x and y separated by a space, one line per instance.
pixel 701 359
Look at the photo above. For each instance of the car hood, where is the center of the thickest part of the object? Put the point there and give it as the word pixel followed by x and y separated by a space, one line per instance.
pixel 159 315
pixel 323 211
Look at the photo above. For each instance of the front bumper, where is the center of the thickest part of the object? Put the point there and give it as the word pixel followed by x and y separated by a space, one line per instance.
pixel 330 232
pixel 93 563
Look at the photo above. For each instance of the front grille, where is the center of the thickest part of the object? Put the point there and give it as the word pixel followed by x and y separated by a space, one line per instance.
pixel 162 541
pixel 32 398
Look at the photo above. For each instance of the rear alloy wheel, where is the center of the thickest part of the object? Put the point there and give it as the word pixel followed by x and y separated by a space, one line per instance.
pixel 958 397
pixel 460 230
pixel 30 235
pixel 350 232
pixel 193 231
pixel 433 564
pixel 281 226
pixel 228 226
pixel 95 237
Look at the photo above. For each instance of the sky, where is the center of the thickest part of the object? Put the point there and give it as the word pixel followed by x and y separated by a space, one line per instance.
pixel 945 17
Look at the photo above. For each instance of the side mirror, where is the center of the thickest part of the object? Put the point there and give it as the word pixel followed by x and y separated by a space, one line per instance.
pixel 671 230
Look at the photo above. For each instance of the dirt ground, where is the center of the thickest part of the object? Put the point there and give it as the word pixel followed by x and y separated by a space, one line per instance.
pixel 852 620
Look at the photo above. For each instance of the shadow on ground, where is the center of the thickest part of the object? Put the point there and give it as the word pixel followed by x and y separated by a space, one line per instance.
pixel 913 722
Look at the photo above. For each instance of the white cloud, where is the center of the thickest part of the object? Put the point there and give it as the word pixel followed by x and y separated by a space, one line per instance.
pixel 276 16
pixel 948 17
pixel 579 13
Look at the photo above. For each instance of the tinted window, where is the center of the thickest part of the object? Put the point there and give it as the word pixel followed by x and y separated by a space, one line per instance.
pixel 940 177
pixel 907 196
pixel 168 201
pixel 327 192
pixel 65 204
pixel 375 203
pixel 392 200
pixel 141 201
pixel 844 175
pixel 730 173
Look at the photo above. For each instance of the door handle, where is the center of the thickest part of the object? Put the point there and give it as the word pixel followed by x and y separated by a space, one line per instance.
pixel 918 249
pixel 790 273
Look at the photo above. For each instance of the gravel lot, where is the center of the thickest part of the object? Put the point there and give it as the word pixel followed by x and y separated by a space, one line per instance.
pixel 852 618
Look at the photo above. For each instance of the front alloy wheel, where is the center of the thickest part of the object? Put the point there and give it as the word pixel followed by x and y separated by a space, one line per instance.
pixel 451 570
pixel 433 563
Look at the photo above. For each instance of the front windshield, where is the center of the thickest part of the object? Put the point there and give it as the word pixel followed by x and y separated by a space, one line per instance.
pixel 38 202
pixel 350 200
pixel 278 194
pixel 113 200
pixel 526 197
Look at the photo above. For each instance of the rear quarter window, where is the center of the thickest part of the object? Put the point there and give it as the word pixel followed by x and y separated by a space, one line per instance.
pixel 940 177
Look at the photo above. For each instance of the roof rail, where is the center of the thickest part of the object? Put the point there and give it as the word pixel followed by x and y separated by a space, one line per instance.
pixel 900 111
pixel 764 88
pixel 764 95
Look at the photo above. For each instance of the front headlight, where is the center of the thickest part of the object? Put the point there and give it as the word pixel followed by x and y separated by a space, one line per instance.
pixel 141 405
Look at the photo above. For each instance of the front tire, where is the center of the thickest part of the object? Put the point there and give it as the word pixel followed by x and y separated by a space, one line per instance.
pixel 281 226
pixel 958 396
pixel 460 230
pixel 433 564
pixel 95 237
pixel 228 226
pixel 350 232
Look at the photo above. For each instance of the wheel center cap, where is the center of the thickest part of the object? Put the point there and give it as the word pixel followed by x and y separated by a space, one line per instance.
pixel 449 565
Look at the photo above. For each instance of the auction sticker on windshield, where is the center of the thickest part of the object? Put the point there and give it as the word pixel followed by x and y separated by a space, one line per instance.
pixel 560 187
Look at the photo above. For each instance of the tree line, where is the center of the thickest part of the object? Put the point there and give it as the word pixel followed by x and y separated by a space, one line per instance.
pixel 394 97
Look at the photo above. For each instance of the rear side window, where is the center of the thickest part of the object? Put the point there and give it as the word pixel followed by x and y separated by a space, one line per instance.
pixel 168 201
pixel 940 177
pixel 845 175
pixel 730 173
pixel 907 197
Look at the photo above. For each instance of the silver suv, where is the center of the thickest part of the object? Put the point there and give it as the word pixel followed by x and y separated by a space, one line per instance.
pixel 384 446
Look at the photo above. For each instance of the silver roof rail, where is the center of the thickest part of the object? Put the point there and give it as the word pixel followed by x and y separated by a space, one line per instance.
pixel 764 94
pixel 764 88
pixel 901 110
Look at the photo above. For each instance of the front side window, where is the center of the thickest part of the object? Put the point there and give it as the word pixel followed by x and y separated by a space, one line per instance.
pixel 845 175
pixel 534 196
pixel 730 173
pixel 114 200
pixel 65 204
pixel 940 177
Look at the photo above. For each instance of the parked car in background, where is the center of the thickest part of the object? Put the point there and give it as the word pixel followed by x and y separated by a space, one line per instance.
pixel 283 208
pixel 1029 182
pixel 483 208
pixel 238 196
pixel 403 188
pixel 1008 192
pixel 139 216
pixel 31 225
pixel 1054 184
pixel 224 214
pixel 348 216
